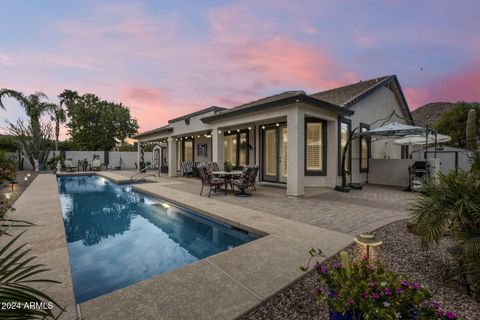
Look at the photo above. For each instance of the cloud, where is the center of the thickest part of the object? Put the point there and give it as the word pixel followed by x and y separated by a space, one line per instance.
pixel 460 85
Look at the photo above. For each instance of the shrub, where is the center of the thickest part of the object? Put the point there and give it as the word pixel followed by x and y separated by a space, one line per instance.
pixel 366 290
pixel 453 204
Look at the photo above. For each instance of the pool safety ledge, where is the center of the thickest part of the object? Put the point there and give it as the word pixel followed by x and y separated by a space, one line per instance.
pixel 222 286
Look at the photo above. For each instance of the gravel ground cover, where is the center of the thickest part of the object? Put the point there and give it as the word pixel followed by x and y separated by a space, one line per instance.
pixel 401 253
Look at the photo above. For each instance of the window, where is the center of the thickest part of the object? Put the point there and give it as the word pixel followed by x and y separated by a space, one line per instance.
pixel 344 131
pixel 235 148
pixel 315 146
pixel 364 149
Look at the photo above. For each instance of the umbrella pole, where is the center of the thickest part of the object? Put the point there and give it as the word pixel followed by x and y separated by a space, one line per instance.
pixel 426 143
pixel 435 145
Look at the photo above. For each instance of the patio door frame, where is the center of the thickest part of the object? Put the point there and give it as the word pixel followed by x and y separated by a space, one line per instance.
pixel 182 151
pixel 276 178
pixel 239 146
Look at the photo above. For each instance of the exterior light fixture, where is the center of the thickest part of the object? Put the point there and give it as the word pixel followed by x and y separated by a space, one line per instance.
pixel 278 124
pixel 238 130
pixel 368 240
pixel 192 137
pixel 28 175
pixel 198 136
pixel 26 178
pixel 263 127
pixel 249 128
pixel 219 131
pixel 228 131
pixel 8 195
pixel 166 205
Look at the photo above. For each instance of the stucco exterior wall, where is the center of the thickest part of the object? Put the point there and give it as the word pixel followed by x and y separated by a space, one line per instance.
pixel 378 105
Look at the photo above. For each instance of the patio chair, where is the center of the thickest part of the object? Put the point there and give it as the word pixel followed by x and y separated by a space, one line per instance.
pixel 244 181
pixel 187 168
pixel 96 165
pixel 69 166
pixel 207 179
pixel 253 177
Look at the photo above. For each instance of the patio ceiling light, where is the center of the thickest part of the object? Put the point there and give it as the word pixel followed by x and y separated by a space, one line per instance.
pixel 228 131
pixel 219 131
pixel 263 127
pixel 249 128
pixel 278 124
pixel 238 130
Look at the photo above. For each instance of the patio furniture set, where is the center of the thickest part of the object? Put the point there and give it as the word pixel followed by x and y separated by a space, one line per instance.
pixel 211 176
pixel 83 165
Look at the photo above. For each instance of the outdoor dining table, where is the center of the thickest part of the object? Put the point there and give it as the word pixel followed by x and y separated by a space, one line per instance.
pixel 227 176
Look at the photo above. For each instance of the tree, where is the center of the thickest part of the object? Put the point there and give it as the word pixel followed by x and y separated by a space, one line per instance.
pixel 68 145
pixel 35 139
pixel 453 203
pixel 32 135
pixel 8 143
pixel 59 116
pixel 96 124
pixel 454 121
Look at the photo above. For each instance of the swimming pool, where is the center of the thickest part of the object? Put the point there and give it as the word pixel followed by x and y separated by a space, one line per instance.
pixel 117 236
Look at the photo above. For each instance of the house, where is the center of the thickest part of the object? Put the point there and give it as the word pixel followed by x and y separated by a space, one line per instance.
pixel 296 138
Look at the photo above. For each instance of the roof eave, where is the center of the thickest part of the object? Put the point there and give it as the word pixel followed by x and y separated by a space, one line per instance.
pixel 273 104
pixel 152 132
pixel 199 112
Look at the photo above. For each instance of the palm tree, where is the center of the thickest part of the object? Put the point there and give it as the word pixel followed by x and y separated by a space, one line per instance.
pixel 59 116
pixel 453 203
pixel 68 98
pixel 34 106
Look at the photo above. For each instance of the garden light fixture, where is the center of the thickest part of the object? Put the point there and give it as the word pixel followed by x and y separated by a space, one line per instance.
pixel 368 240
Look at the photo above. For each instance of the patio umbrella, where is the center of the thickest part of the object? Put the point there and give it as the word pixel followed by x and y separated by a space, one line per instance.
pixel 419 140
pixel 396 129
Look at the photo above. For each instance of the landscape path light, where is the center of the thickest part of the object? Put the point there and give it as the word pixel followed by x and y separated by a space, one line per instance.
pixel 368 240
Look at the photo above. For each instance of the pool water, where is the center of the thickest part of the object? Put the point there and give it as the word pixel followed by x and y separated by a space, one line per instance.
pixel 117 236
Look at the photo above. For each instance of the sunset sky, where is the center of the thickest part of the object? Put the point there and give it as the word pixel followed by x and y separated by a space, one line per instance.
pixel 167 58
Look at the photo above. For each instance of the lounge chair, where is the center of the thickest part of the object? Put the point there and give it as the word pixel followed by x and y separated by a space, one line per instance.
pixel 205 172
pixel 69 166
pixel 96 165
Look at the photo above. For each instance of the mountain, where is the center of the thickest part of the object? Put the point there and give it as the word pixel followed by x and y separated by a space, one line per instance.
pixel 431 112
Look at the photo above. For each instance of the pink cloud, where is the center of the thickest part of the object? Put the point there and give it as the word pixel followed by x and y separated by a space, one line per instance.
pixel 461 85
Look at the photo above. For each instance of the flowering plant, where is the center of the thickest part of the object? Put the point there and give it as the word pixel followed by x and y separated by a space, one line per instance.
pixel 368 291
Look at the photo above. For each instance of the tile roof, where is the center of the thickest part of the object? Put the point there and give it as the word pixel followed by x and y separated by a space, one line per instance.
pixel 275 100
pixel 346 95
pixel 276 97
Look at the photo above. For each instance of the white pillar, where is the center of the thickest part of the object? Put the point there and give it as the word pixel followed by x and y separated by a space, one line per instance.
pixel 172 157
pixel 296 154
pixel 217 147
pixel 140 154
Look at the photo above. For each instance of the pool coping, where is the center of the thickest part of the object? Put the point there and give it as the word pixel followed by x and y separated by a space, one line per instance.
pixel 222 286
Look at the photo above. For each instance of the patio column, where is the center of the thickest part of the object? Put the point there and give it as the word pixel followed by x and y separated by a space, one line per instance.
pixel 217 147
pixel 296 154
pixel 140 154
pixel 172 157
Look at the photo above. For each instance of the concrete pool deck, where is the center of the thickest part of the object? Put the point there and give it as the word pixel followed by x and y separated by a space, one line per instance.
pixel 222 286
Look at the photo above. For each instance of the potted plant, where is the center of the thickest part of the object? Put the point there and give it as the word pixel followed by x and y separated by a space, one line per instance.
pixel 228 166
pixel 363 289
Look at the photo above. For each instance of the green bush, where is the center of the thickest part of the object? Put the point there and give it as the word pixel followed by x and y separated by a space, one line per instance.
pixel 453 204
pixel 18 272
pixel 52 162
pixel 365 290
